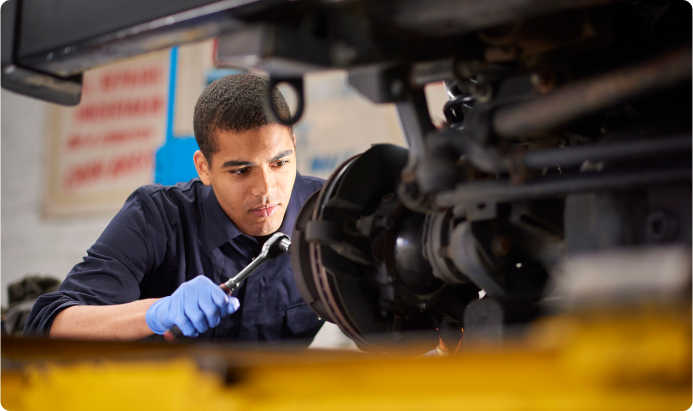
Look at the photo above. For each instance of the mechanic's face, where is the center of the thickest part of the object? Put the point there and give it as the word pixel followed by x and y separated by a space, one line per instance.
pixel 252 175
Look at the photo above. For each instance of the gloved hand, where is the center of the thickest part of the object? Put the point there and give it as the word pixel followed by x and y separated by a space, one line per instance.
pixel 196 305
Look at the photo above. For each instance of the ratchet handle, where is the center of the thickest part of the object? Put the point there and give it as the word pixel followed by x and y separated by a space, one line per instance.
pixel 174 334
pixel 276 245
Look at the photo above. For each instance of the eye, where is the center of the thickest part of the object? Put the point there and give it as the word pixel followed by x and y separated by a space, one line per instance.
pixel 281 163
pixel 240 171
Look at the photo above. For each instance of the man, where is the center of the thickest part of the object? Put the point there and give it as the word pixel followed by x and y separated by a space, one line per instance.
pixel 160 260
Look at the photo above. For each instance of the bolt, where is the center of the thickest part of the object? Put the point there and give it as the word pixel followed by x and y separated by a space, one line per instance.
pixel 50 56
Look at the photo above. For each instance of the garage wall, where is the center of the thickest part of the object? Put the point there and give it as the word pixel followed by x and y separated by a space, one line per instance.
pixel 30 243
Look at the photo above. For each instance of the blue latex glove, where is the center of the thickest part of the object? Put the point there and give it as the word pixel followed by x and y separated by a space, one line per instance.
pixel 196 305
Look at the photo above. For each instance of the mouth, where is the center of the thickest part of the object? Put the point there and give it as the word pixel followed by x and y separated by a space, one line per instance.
pixel 265 210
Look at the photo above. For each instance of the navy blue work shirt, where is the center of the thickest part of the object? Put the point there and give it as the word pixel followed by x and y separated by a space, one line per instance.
pixel 166 235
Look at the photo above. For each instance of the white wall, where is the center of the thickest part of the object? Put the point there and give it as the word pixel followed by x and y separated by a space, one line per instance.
pixel 32 244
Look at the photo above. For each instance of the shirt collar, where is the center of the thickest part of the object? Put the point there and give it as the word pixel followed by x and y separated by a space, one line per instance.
pixel 218 226
pixel 220 229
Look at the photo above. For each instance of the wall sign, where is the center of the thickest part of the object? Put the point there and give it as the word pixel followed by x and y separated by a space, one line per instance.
pixel 103 149
pixel 134 127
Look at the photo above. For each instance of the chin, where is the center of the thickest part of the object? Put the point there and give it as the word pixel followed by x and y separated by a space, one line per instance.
pixel 264 229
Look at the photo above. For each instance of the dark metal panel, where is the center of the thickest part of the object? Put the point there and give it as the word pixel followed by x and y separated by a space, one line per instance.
pixel 28 82
pixel 48 24
pixel 75 50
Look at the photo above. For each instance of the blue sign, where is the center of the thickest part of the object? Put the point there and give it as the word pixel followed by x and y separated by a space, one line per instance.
pixel 174 160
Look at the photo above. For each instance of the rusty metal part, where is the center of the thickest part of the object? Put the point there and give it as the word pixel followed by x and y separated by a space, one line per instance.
pixel 541 34
pixel 588 96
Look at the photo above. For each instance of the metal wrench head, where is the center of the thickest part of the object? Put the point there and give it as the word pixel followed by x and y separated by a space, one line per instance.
pixel 275 246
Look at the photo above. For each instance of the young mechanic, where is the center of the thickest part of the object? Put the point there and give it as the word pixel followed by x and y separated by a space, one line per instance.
pixel 161 259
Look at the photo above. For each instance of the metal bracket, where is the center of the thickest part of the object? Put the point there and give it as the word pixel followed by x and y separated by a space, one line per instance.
pixel 65 91
pixel 297 85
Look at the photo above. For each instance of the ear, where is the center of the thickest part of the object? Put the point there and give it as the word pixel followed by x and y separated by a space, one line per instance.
pixel 202 167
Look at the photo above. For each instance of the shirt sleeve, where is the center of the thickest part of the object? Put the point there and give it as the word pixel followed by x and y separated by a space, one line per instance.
pixel 115 265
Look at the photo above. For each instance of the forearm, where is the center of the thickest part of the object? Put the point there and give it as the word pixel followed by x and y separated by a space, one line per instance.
pixel 103 322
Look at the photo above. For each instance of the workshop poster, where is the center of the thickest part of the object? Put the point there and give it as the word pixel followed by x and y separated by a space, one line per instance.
pixel 103 149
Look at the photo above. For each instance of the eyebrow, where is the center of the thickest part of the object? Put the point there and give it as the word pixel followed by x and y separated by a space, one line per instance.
pixel 235 163
pixel 281 155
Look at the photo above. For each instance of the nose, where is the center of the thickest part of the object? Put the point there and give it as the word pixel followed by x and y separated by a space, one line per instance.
pixel 265 183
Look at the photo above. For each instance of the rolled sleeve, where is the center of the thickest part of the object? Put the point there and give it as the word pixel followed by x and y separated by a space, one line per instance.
pixel 113 268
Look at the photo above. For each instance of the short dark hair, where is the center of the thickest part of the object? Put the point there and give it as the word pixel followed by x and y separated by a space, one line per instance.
pixel 234 103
